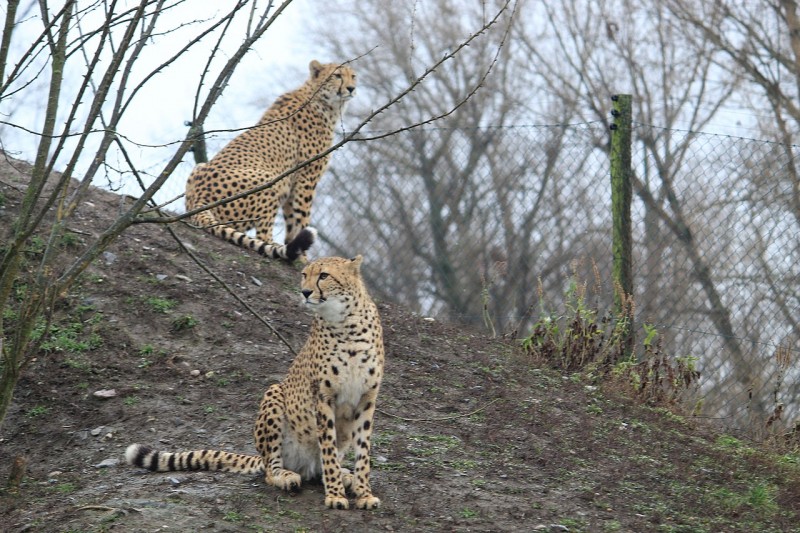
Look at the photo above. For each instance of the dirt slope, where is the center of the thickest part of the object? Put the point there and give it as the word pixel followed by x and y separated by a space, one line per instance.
pixel 470 435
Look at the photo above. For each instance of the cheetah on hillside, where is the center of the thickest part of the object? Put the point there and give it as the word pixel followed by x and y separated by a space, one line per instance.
pixel 323 407
pixel 297 127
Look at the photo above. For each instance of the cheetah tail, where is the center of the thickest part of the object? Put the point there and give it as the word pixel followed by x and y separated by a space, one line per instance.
pixel 301 243
pixel 213 460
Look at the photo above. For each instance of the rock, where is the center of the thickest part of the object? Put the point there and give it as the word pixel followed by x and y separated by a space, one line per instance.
pixel 109 257
pixel 181 277
pixel 256 281
pixel 194 373
pixel 105 463
pixel 96 431
pixel 105 393
pixel 161 277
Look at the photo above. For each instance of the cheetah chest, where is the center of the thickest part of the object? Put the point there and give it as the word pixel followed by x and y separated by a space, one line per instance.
pixel 352 374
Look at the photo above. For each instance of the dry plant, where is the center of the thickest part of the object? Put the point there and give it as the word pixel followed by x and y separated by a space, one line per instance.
pixel 583 338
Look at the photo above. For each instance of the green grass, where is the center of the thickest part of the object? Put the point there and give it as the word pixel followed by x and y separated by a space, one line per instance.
pixel 469 513
pixel 183 322
pixel 233 516
pixel 428 445
pixel 73 337
pixel 38 410
pixel 147 349
pixel 65 488
pixel 69 239
pixel 161 305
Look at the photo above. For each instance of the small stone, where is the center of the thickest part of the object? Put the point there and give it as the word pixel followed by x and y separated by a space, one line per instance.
pixel 175 481
pixel 96 431
pixel 109 257
pixel 161 277
pixel 105 393
pixel 256 281
pixel 105 463
pixel 54 473
pixel 210 374
pixel 194 373
pixel 181 277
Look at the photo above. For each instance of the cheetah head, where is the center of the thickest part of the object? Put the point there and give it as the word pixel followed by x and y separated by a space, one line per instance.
pixel 330 285
pixel 335 84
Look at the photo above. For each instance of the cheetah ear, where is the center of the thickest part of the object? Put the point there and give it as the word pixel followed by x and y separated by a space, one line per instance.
pixel 356 262
pixel 315 67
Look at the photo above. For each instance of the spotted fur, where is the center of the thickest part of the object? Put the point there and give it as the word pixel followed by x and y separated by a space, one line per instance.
pixel 296 128
pixel 325 405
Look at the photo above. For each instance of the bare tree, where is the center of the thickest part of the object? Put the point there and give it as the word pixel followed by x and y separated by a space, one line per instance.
pixel 107 53
pixel 94 111
pixel 454 217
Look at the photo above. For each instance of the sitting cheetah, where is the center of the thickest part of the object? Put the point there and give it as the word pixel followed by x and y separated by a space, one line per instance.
pixel 324 407
pixel 298 126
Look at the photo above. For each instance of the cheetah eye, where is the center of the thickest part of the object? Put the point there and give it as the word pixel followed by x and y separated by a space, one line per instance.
pixel 338 76
pixel 323 275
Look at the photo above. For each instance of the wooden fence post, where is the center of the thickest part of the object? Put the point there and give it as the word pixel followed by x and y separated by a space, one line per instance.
pixel 621 197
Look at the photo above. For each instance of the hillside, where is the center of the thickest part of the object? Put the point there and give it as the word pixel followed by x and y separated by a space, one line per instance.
pixel 470 435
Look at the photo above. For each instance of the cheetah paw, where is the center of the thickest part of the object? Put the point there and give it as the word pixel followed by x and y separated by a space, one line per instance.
pixel 347 478
pixel 368 502
pixel 336 502
pixel 286 480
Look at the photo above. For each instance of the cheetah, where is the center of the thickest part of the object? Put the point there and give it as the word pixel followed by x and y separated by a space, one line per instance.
pixel 297 127
pixel 325 405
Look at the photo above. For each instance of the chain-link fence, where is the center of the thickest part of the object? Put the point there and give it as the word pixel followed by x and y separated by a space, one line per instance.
pixel 483 225
pixel 489 226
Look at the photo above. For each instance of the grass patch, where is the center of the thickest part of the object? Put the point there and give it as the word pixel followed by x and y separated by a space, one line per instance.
pixel 161 305
pixel 36 411
pixel 430 445
pixel 581 338
pixel 183 322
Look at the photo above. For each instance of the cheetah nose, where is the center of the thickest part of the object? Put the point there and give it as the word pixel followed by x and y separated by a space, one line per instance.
pixel 351 89
pixel 306 293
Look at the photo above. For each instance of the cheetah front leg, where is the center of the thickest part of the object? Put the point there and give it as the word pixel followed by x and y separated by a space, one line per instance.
pixel 331 467
pixel 268 434
pixel 297 206
pixel 363 435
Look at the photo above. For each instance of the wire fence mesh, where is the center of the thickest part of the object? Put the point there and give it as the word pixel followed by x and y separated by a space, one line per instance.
pixel 489 225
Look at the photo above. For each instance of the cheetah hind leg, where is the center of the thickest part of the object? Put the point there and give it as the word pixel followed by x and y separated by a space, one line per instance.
pixel 269 440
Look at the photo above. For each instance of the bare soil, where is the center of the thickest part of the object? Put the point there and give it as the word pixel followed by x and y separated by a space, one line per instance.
pixel 470 436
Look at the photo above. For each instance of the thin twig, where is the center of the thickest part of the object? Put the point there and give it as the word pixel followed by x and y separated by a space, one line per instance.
pixel 444 419
pixel 230 291
pixel 197 259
